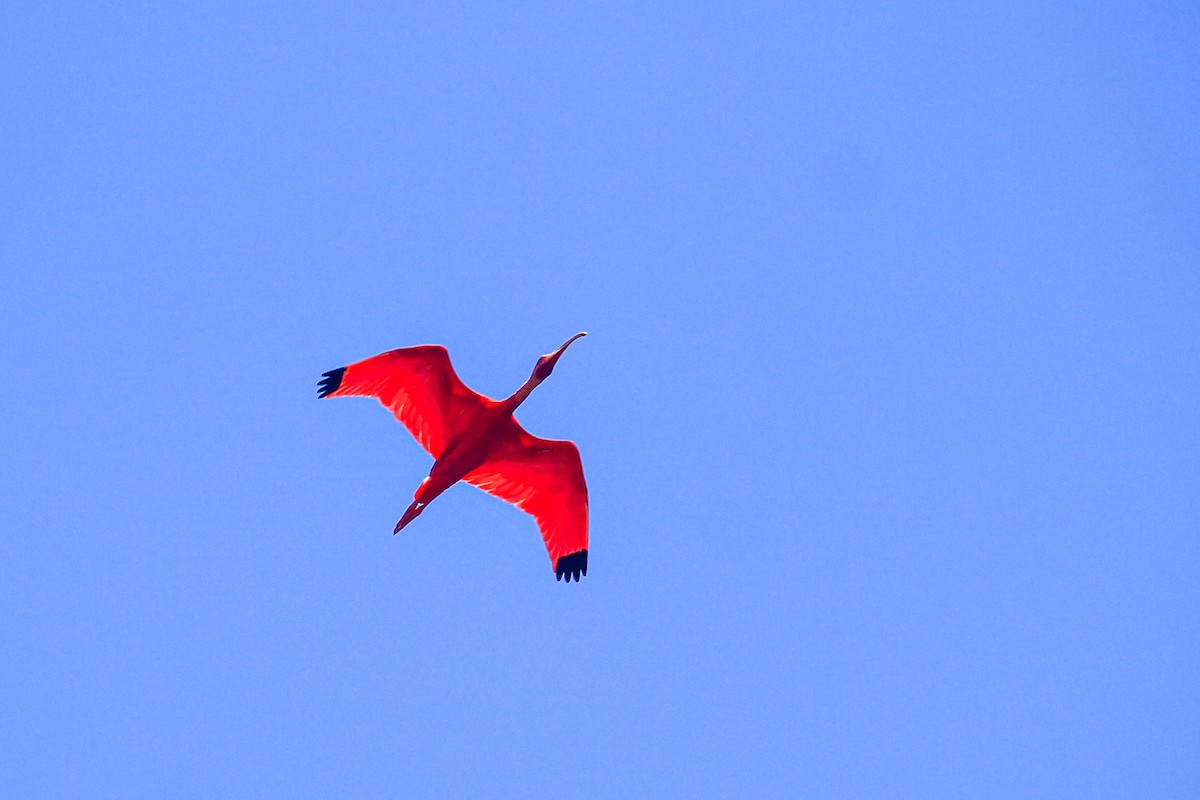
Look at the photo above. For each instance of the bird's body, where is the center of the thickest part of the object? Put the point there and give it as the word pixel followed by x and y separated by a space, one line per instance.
pixel 478 440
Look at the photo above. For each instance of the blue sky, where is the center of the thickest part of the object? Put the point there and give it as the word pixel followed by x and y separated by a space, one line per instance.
pixel 888 410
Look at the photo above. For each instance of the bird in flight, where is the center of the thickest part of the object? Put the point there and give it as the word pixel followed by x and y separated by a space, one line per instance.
pixel 476 439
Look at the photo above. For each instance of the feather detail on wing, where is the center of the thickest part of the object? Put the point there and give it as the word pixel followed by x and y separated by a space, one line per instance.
pixel 417 384
pixel 543 477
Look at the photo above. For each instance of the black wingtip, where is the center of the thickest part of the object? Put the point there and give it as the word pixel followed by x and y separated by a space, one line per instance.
pixel 571 566
pixel 330 381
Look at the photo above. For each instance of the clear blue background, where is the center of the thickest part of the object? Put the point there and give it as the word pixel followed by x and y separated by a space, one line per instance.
pixel 888 410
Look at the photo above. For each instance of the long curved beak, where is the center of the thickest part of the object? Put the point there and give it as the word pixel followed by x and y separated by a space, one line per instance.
pixel 562 349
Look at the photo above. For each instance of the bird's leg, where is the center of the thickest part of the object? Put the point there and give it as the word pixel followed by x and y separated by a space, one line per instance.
pixel 430 488
pixel 412 513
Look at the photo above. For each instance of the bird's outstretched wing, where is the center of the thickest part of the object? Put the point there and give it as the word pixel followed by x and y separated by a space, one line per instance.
pixel 417 384
pixel 543 477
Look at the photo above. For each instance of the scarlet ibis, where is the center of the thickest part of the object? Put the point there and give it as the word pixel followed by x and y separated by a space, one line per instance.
pixel 476 439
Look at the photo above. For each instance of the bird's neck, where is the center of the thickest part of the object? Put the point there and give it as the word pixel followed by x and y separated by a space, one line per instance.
pixel 519 396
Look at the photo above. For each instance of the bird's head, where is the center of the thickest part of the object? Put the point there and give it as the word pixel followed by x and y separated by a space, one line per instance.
pixel 545 364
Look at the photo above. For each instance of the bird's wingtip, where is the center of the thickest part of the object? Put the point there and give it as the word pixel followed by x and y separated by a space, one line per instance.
pixel 330 381
pixel 571 566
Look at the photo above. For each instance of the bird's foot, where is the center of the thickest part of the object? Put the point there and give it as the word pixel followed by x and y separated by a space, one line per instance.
pixel 412 513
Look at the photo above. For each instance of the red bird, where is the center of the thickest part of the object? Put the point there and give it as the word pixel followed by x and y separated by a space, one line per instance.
pixel 476 439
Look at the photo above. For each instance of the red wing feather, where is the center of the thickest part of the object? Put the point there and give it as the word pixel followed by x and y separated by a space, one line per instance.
pixel 543 477
pixel 417 384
